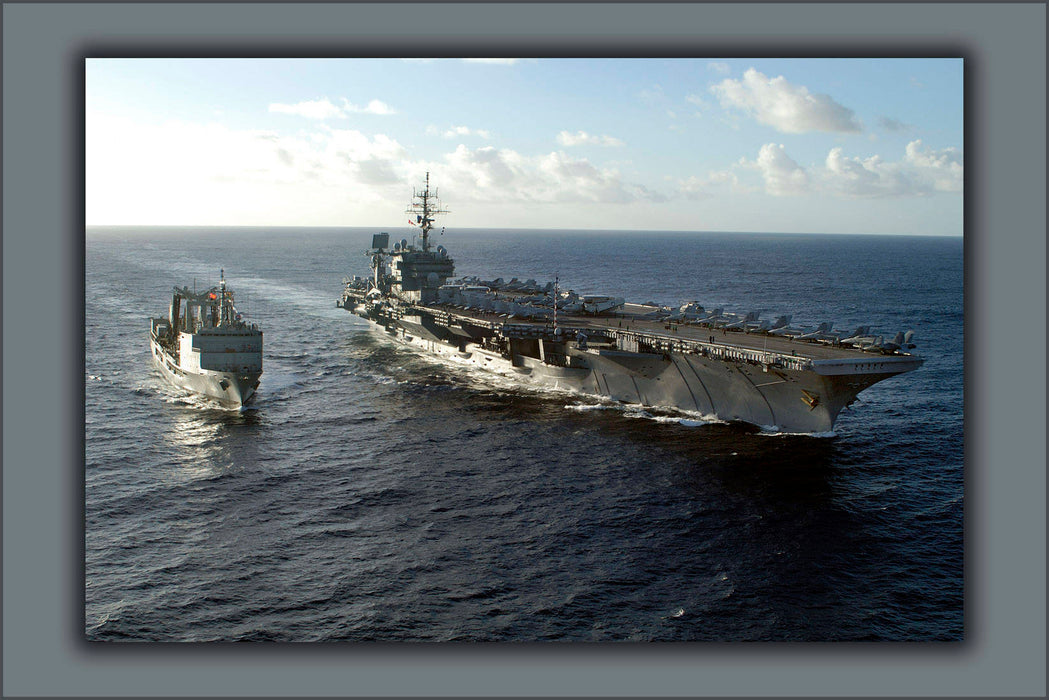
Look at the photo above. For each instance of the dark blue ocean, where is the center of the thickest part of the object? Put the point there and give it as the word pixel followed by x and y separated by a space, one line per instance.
pixel 372 494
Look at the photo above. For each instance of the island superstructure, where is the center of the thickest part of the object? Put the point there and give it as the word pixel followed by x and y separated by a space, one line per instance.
pixel 206 347
pixel 731 366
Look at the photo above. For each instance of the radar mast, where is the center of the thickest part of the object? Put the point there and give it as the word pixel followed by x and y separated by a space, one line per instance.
pixel 425 205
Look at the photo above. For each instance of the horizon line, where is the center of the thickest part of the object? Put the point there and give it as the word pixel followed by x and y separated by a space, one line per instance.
pixel 521 228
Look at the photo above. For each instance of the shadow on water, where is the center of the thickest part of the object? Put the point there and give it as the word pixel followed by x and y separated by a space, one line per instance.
pixel 757 520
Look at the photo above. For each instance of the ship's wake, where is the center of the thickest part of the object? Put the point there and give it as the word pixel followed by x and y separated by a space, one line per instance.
pixel 204 403
pixel 176 396
pixel 688 419
pixel 305 302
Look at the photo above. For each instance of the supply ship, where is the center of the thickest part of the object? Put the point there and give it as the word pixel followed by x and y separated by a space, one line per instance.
pixel 733 367
pixel 208 348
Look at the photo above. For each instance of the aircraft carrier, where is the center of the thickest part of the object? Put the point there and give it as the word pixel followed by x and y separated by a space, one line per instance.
pixel 208 348
pixel 720 365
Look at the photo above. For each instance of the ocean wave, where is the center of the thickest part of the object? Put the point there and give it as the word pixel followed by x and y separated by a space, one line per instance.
pixel 372 492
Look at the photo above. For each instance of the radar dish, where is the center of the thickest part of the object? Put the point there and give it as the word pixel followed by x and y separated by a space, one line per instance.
pixel 380 240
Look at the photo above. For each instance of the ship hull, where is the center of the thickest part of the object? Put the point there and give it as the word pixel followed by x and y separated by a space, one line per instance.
pixel 804 401
pixel 228 389
pixel 603 346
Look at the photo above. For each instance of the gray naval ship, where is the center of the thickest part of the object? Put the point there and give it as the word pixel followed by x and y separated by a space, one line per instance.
pixel 729 366
pixel 208 348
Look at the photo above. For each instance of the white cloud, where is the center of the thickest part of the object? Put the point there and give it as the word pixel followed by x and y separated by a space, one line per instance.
pixel 356 145
pixel 490 174
pixel 890 124
pixel 694 188
pixel 373 107
pixel 710 186
pixel 457 131
pixel 311 109
pixel 325 109
pixel 178 171
pixel 698 101
pixel 721 68
pixel 782 175
pixel 783 105
pixel 255 176
pixel 869 177
pixel 921 172
pixel 579 138
pixel 168 171
pixel 944 169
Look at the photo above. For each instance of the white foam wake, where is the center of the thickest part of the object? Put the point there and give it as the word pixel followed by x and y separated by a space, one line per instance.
pixel 683 418
pixel 774 431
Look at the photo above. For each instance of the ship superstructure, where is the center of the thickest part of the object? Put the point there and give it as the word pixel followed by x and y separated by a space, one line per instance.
pixel 724 365
pixel 205 346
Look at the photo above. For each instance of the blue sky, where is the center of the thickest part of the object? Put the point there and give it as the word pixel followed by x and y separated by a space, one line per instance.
pixel 796 145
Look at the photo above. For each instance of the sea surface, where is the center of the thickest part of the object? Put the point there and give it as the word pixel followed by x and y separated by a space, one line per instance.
pixel 373 494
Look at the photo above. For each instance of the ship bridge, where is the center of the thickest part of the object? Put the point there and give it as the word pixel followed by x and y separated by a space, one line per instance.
pixel 418 274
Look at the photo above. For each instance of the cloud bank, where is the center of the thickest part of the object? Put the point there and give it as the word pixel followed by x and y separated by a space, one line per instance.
pixel 253 175
pixel 920 172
